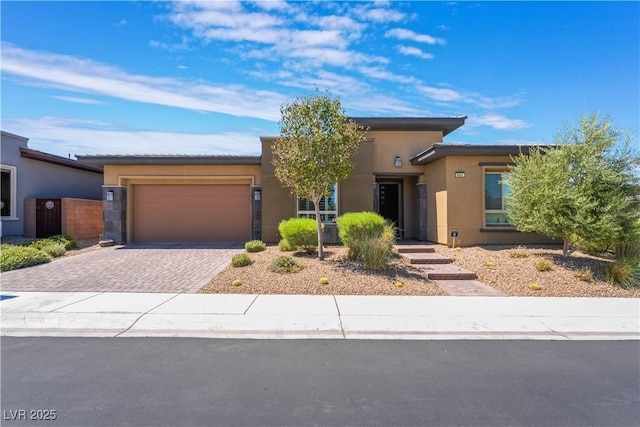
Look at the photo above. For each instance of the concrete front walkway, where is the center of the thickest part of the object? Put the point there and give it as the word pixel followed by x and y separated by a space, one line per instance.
pixel 167 267
pixel 322 316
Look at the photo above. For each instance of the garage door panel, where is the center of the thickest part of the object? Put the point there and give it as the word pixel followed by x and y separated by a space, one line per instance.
pixel 191 213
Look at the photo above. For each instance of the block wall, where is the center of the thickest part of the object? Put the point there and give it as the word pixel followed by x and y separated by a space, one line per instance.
pixel 81 218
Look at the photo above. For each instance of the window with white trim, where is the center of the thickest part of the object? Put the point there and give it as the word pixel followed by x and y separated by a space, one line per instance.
pixel 495 192
pixel 328 207
pixel 8 192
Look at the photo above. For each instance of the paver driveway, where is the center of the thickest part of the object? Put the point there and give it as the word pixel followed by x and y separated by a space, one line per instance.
pixel 131 268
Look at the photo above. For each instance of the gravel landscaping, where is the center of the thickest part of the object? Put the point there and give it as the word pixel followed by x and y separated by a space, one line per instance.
pixel 507 268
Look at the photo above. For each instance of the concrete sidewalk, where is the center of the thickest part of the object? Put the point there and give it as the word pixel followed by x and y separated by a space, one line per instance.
pixel 99 314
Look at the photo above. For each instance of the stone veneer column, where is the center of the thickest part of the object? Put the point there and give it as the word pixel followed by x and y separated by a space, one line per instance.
pixel 256 213
pixel 422 211
pixel 114 214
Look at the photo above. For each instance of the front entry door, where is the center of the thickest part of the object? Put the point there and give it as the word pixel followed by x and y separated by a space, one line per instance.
pixel 390 203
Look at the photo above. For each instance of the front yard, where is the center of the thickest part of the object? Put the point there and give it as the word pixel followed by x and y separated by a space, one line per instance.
pixel 507 268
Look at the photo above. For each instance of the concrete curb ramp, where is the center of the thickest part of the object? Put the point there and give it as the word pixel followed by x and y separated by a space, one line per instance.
pixel 95 314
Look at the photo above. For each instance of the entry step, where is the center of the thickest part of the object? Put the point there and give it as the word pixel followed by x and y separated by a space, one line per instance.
pixel 446 272
pixel 414 249
pixel 426 258
pixel 464 288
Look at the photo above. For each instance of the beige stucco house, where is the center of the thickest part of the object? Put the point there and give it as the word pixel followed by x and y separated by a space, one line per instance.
pixel 404 171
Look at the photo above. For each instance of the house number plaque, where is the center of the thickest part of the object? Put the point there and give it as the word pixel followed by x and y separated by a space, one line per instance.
pixel 49 204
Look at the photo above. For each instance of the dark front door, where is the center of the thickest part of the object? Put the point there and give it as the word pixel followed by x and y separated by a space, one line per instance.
pixel 390 203
pixel 48 217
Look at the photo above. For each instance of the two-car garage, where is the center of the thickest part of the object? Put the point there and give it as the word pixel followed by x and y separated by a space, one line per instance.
pixel 190 213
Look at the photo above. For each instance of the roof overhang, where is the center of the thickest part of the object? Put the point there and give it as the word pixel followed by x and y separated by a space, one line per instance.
pixel 102 160
pixel 439 151
pixel 444 124
pixel 28 153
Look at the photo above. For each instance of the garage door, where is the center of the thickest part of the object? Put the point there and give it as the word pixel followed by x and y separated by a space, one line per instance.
pixel 191 213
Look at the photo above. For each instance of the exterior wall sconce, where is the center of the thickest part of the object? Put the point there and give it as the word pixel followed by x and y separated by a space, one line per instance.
pixel 460 174
pixel 398 162
pixel 257 195
pixel 109 196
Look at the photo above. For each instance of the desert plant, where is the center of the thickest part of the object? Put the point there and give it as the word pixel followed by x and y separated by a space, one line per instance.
pixel 323 281
pixel 624 273
pixel 68 241
pixel 285 246
pixel 300 233
pixel 14 257
pixel 49 246
pixel 355 227
pixel 543 265
pixel 628 250
pixel 236 283
pixel 285 264
pixel 518 253
pixel 583 274
pixel 376 251
pixel 535 287
pixel 255 246
pixel 241 260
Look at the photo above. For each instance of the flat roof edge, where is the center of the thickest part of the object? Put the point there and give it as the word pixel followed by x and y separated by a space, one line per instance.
pixel 29 153
pixel 170 160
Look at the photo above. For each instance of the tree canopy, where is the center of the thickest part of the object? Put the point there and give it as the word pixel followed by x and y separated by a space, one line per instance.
pixel 580 189
pixel 314 150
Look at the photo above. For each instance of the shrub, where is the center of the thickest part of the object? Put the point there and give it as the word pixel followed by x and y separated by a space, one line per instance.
pixel 51 247
pixel 535 287
pixel 255 246
pixel 376 251
pixel 628 250
pixel 241 260
pixel 543 265
pixel 518 253
pixel 236 283
pixel 300 233
pixel 583 274
pixel 624 273
pixel 285 264
pixel 14 257
pixel 323 281
pixel 285 246
pixel 68 241
pixel 355 227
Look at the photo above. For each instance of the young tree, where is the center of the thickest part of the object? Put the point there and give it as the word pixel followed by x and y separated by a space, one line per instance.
pixel 314 149
pixel 579 189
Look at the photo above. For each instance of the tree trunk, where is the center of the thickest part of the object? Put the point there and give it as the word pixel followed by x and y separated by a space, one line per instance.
pixel 316 205
pixel 566 248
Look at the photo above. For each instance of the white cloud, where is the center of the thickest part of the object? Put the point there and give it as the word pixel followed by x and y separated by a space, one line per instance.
pixel 380 15
pixel 496 121
pixel 382 74
pixel 404 34
pixel 440 94
pixel 414 51
pixel 86 76
pixel 63 136
pixel 78 100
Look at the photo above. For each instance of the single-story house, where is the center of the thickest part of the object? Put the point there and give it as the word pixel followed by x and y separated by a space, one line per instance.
pixel 35 186
pixel 404 171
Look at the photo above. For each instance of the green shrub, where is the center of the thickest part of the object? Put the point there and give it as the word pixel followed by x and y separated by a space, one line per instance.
pixel 51 247
pixel 628 251
pixel 355 227
pixel 519 253
pixel 68 241
pixel 543 265
pixel 300 233
pixel 255 246
pixel 285 264
pixel 584 274
pixel 376 251
pixel 624 273
pixel 241 260
pixel 14 257
pixel 285 246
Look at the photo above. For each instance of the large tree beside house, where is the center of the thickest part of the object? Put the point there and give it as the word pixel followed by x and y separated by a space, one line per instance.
pixel 579 189
pixel 314 150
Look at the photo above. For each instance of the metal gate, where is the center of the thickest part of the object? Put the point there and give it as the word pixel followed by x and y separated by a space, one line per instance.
pixel 48 217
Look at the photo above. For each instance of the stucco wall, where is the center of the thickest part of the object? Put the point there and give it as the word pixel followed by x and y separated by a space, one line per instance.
pixel 407 144
pixel 277 202
pixel 37 179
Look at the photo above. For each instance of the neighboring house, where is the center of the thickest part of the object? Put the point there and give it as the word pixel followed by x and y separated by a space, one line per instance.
pixel 29 175
pixel 404 171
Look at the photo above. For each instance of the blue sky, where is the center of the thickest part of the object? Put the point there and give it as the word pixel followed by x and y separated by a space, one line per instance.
pixel 210 77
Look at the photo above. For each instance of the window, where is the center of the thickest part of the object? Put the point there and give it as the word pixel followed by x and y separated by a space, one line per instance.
pixel 495 191
pixel 8 192
pixel 328 207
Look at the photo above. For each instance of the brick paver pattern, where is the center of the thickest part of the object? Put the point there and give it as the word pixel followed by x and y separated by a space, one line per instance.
pixel 131 268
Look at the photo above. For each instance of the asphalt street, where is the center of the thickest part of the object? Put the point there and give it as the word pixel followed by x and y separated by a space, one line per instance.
pixel 216 382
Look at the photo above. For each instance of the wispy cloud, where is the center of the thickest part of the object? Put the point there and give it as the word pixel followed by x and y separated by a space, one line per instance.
pixel 78 100
pixel 63 136
pixel 496 121
pixel 404 34
pixel 86 76
pixel 414 51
